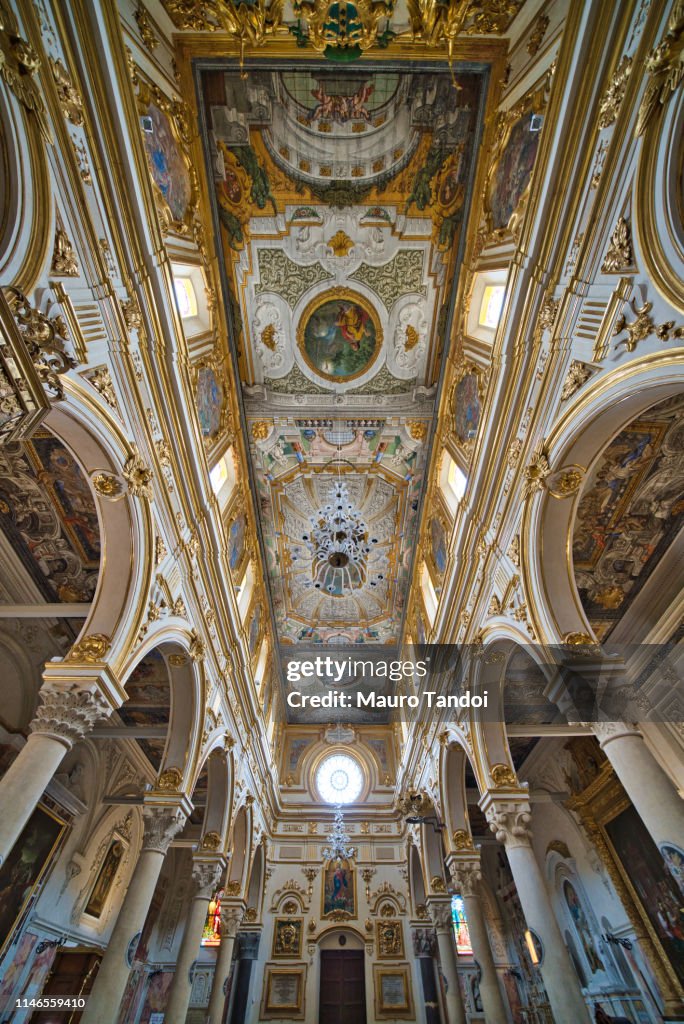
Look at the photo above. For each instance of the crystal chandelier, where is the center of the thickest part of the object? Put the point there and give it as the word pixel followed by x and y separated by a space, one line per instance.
pixel 339 545
pixel 339 848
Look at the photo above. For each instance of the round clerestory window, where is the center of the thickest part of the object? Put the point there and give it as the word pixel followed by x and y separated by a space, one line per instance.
pixel 339 779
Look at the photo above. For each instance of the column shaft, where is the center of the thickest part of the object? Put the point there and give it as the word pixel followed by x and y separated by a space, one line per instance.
pixel 23 784
pixel 230 921
pixel 447 958
pixel 490 991
pixel 181 987
pixel 560 979
pixel 104 1001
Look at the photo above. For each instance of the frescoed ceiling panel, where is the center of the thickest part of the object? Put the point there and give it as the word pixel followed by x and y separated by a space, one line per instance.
pixel 341 198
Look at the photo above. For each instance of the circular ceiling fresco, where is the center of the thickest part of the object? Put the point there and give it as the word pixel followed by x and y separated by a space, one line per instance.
pixel 339 335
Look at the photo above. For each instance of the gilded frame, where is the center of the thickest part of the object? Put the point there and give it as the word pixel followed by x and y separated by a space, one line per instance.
pixel 598 804
pixel 534 101
pixel 49 854
pixel 237 508
pixel 336 914
pixel 178 115
pixel 438 511
pixel 215 363
pixel 389 939
pixel 294 1010
pixel 393 1011
pixel 330 295
pixel 463 370
pixel 278 952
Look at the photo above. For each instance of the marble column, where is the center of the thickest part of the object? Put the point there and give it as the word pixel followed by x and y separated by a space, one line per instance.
pixel 440 914
pixel 248 952
pixel 509 818
pixel 466 876
pixel 65 715
pixel 659 805
pixel 162 823
pixel 231 916
pixel 424 952
pixel 206 872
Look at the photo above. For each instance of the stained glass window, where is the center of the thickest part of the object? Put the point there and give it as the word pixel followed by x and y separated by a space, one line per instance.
pixel 463 946
pixel 211 936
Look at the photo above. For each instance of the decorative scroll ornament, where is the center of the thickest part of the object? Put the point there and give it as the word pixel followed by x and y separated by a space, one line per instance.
pixel 69 97
pixel 620 255
pixel 537 472
pixel 249 21
pixel 643 326
pixel 438 23
pixel 19 63
pixel 665 67
pixel 44 338
pixel 463 839
pixel 147 34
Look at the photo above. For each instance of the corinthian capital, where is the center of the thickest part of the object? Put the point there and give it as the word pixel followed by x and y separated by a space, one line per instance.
pixel 231 918
pixel 509 820
pixel 466 876
pixel 162 825
pixel 440 913
pixel 68 713
pixel 205 876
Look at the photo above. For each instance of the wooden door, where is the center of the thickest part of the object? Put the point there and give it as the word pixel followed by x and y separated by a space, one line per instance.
pixel 343 991
pixel 72 974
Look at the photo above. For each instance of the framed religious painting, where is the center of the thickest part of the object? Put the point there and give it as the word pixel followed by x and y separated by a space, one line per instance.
pixel 283 994
pixel 339 335
pixel 25 866
pixel 287 938
pixel 641 873
pixel 389 939
pixel 166 140
pixel 393 995
pixel 211 399
pixel 105 878
pixel 509 179
pixel 339 890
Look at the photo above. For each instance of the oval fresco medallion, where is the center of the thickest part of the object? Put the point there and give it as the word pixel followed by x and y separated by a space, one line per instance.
pixel 209 401
pixel 168 166
pixel 339 335
pixel 236 541
pixel 467 408
pixel 513 171
pixel 438 543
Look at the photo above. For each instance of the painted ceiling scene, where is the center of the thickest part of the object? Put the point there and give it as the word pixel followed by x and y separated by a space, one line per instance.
pixel 340 202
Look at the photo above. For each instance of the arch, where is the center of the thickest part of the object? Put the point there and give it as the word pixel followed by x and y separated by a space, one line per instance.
pixel 126 526
pixel 452 788
pixel 241 850
pixel 329 938
pixel 219 799
pixel 583 432
pixel 255 887
pixel 187 693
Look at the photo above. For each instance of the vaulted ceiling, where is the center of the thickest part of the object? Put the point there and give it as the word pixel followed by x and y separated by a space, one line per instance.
pixel 340 200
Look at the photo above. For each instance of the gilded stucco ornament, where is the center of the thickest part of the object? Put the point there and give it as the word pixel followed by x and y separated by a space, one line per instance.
pixel 620 254
pixel 643 326
pixel 64 262
pixel 70 101
pixel 170 780
pixel 565 482
pixel 503 776
pixel 611 101
pixel 537 471
pixel 352 27
pixel 45 339
pixel 211 841
pixel 107 485
pixel 91 649
pixel 462 839
pixel 537 34
pixel 198 648
pixel 19 64
pixel 665 67
pixel 249 23
pixel 147 33
pixel 131 313
pixel 101 380
pixel 139 477
pixel 578 375
pixel 340 243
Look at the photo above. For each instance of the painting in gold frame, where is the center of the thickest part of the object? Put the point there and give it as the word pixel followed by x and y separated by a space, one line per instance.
pixel 393 995
pixel 339 890
pixel 287 938
pixel 25 866
pixel 283 996
pixel 389 937
pixel 105 878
